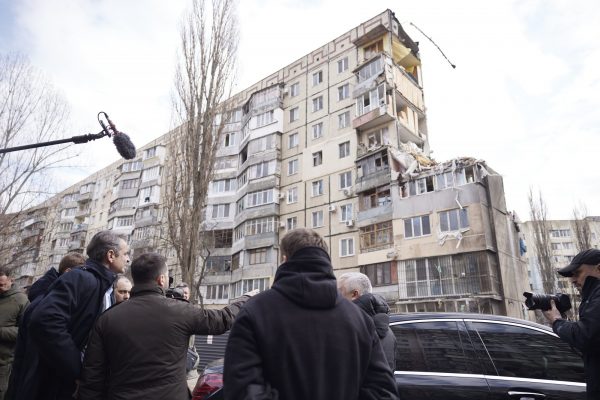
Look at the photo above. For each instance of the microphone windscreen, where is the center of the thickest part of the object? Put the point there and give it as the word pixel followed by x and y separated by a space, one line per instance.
pixel 124 145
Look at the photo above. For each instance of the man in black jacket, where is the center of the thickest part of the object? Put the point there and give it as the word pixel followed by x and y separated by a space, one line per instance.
pixel 357 288
pixel 584 335
pixel 67 263
pixel 301 339
pixel 138 348
pixel 59 325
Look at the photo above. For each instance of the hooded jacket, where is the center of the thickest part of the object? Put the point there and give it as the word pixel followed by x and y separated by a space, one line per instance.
pixel 584 335
pixel 377 308
pixel 12 306
pixel 302 340
pixel 56 332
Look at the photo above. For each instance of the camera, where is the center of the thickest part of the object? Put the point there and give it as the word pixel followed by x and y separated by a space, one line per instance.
pixel 174 293
pixel 536 301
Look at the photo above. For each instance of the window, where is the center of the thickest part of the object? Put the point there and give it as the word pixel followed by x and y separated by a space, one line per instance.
pixel 291 223
pixel 377 197
pixel 380 274
pixel 345 179
pixel 342 65
pixel 229 139
pixel 260 225
pixel 420 186
pixel 294 114
pixel 295 89
pixel 317 104
pixel 292 166
pixel 69 212
pixel 346 247
pixel 345 212
pixel 132 166
pixel 124 221
pixel 371 100
pixel 259 198
pixel 146 194
pixel 373 164
pixel 344 149
pixel 453 220
pixel 261 170
pixel 317 130
pixel 246 285
pixel 264 118
pixel 150 173
pixel 437 346
pixel 151 152
pixel 555 246
pixel 444 180
pixel 292 195
pixel 465 175
pixel 373 68
pixel 374 48
pixel 217 292
pixel 129 184
pixel 317 219
pixel 528 353
pixel 376 236
pixel 235 261
pixel 417 226
pixel 317 158
pixel 226 162
pixel 257 256
pixel 343 92
pixel 224 185
pixel 558 233
pixel 223 238
pixel 293 140
pixel 317 78
pixel 344 120
pixel 377 138
pixel 317 188
pixel 220 210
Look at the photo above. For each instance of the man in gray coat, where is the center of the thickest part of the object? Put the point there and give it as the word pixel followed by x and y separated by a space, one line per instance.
pixel 138 348
pixel 357 288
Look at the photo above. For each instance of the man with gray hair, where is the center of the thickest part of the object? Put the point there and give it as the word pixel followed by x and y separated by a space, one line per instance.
pixel 302 340
pixel 60 324
pixel 357 288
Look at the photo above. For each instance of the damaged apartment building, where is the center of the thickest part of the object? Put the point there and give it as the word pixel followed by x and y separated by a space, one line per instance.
pixel 336 141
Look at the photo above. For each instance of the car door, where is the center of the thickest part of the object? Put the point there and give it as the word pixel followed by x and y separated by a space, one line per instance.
pixel 436 361
pixel 528 362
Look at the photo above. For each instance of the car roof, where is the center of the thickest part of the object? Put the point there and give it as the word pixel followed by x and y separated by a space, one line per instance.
pixel 402 317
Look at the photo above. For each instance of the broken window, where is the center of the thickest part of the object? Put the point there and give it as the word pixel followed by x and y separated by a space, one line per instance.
pixel 444 180
pixel 372 164
pixel 223 238
pixel 376 236
pixel 465 175
pixel 379 274
pixel 373 48
pixel 420 186
pixel 453 220
pixel 377 197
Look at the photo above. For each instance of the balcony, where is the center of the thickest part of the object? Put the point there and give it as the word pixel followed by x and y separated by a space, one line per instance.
pixel 82 213
pixel 141 243
pixel 377 116
pixel 145 221
pixel 76 245
pixel 79 228
pixel 27 233
pixel 84 197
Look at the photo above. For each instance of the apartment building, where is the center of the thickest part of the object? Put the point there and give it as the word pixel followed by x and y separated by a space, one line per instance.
pixel 336 141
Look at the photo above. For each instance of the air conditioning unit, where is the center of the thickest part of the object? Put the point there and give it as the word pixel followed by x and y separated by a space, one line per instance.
pixel 282 225
pixel 285 92
pixel 350 223
pixel 281 195
pixel 348 192
pixel 331 208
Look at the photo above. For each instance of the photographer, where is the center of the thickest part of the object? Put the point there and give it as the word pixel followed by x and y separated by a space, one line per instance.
pixel 584 335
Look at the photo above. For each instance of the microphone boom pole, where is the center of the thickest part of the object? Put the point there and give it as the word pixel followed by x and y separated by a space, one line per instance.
pixel 75 139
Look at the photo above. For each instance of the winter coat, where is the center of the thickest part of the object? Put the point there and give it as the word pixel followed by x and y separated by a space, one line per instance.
pixel 138 348
pixel 57 331
pixel 13 303
pixel 302 340
pixel 40 287
pixel 376 307
pixel 584 335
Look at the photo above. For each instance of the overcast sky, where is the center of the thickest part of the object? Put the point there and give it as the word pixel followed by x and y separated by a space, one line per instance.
pixel 525 95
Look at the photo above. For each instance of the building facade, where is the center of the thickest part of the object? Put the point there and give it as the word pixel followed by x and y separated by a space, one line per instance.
pixel 337 141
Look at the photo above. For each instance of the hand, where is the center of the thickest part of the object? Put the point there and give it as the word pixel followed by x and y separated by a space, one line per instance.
pixel 552 314
pixel 252 292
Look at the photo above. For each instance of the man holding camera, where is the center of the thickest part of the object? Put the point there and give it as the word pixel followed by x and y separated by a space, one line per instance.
pixel 584 335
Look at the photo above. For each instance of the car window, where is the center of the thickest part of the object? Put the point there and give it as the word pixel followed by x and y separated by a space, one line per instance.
pixel 437 346
pixel 528 353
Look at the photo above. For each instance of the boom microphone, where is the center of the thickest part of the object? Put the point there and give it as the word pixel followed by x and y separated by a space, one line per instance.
pixel 121 140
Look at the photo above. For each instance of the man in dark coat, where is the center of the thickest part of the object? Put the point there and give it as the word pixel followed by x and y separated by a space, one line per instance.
pixel 68 262
pixel 584 335
pixel 59 325
pixel 357 288
pixel 301 339
pixel 13 303
pixel 138 348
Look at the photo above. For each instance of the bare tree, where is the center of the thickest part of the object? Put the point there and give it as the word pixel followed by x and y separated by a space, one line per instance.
pixel 31 111
pixel 538 213
pixel 202 84
pixel 583 234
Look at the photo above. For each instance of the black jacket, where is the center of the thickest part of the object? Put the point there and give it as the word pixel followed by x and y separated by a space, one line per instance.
pixel 57 330
pixel 376 307
pixel 40 287
pixel 138 348
pixel 304 341
pixel 584 335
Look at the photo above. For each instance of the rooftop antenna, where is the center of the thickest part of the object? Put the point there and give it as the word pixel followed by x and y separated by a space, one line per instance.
pixel 438 47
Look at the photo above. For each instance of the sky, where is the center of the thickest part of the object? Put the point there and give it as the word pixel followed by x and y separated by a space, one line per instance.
pixel 524 96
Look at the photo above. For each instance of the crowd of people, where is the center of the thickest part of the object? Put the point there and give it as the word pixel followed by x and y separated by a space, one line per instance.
pixel 85 331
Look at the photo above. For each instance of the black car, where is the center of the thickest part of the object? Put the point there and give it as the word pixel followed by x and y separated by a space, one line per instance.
pixel 452 356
